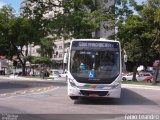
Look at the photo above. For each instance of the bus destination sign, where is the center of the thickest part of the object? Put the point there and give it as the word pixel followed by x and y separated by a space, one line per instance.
pixel 88 44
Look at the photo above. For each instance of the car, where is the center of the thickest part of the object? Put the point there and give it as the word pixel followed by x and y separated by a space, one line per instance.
pixel 149 79
pixel 139 77
pixel 63 74
pixel 54 74
pixel 127 76
pixel 144 77
pixel 124 73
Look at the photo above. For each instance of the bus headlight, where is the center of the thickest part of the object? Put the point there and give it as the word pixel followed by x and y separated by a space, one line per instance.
pixel 71 81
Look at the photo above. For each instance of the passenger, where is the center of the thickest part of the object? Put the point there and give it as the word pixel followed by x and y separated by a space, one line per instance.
pixel 82 66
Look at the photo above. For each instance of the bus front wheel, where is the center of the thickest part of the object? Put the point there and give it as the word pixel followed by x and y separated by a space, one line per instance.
pixel 74 97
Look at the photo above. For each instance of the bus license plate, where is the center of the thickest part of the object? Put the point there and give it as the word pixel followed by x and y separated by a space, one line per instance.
pixel 93 95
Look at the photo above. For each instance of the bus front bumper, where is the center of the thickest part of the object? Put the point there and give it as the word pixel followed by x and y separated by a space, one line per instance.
pixel 96 91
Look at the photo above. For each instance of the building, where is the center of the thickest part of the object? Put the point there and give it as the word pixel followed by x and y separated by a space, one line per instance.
pixel 61 46
pixel 32 50
pixel 5 65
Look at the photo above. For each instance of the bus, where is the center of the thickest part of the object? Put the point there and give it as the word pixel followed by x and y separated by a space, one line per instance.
pixel 94 68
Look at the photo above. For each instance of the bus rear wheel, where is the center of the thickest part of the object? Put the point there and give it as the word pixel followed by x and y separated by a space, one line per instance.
pixel 74 97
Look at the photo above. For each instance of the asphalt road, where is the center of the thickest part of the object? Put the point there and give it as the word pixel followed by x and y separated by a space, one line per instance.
pixel 54 104
pixel 12 86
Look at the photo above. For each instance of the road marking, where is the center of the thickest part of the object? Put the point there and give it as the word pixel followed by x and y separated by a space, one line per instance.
pixel 29 92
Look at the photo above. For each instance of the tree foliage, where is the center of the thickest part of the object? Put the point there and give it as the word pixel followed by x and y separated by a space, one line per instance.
pixel 6 20
pixel 42 61
pixel 46 49
pixel 139 33
pixel 68 19
pixel 17 32
pixel 136 32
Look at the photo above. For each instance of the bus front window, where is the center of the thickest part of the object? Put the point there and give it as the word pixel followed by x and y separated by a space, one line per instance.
pixel 105 64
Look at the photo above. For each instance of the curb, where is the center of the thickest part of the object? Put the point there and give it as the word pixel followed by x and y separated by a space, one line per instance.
pixel 141 86
pixel 23 78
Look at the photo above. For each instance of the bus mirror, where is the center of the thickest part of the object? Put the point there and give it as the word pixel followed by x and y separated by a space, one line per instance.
pixel 65 59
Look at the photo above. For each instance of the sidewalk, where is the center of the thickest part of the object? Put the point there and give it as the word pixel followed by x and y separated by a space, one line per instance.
pixel 15 77
pixel 20 78
pixel 141 86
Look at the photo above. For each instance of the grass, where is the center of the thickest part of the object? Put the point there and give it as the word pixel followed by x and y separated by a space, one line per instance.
pixel 38 77
pixel 139 83
pixel 32 76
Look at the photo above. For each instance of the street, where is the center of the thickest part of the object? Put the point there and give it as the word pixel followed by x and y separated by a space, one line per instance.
pixel 54 101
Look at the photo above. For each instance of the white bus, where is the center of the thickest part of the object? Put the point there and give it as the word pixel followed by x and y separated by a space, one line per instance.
pixel 94 68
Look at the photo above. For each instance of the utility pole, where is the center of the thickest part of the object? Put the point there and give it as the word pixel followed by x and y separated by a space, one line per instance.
pixel 63 55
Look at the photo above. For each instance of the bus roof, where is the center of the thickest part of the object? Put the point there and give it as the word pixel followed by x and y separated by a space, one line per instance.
pixel 101 39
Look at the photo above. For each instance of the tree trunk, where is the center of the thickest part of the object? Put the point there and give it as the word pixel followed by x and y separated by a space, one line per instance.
pixel 23 69
pixel 156 74
pixel 97 34
pixel 134 73
pixel 23 63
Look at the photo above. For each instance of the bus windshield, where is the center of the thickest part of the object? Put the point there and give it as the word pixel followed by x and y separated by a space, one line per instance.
pixel 95 66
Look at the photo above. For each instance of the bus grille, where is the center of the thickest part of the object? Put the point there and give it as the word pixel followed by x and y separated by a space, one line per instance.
pixel 99 93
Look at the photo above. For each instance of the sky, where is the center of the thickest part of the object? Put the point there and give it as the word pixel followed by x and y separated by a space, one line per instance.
pixel 16 3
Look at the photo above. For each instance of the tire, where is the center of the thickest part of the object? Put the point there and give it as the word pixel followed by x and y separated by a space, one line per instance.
pixel 124 79
pixel 74 97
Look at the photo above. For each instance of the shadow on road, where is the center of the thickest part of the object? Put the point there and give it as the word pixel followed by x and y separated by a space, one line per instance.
pixel 4 110
pixel 67 116
pixel 57 83
pixel 11 87
pixel 128 97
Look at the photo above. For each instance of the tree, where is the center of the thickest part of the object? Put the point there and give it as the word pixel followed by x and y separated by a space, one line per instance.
pixel 46 49
pixel 5 17
pixel 18 32
pixel 69 19
pixel 151 13
pixel 136 33
pixel 40 60
pixel 137 41
pixel 23 33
